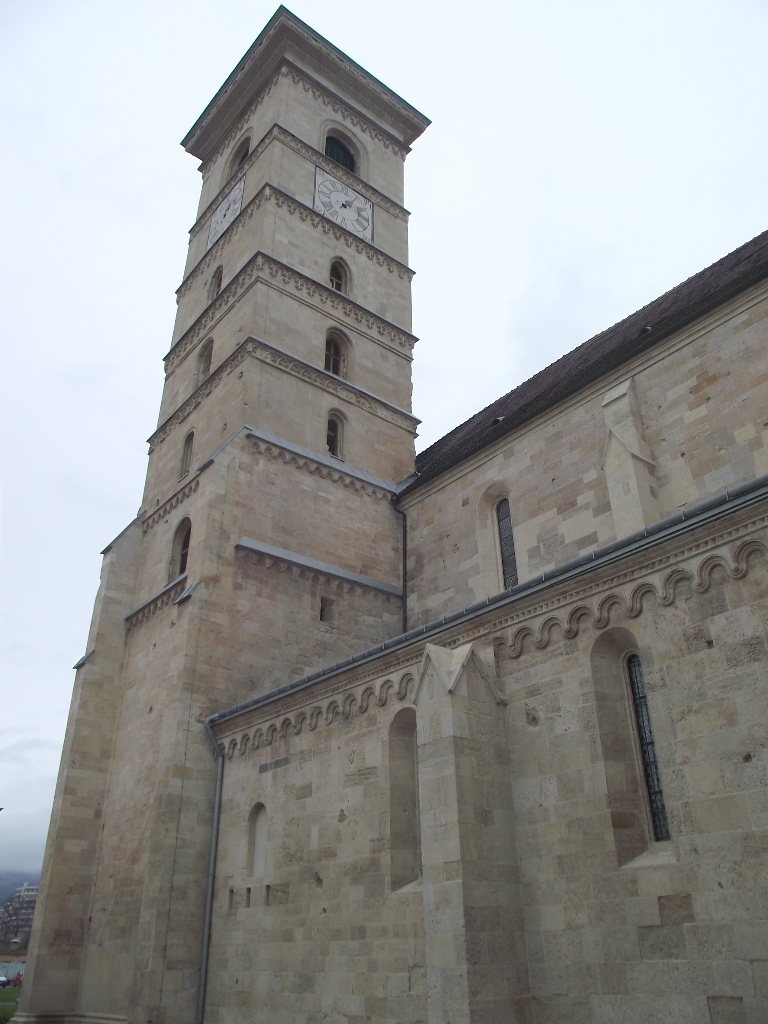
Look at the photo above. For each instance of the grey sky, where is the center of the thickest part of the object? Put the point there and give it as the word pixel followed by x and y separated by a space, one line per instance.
pixel 584 157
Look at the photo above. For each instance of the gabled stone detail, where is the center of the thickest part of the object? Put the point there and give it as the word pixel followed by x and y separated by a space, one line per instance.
pixel 449 664
pixel 628 463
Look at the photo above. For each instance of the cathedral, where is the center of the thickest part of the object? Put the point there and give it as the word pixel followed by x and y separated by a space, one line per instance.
pixel 478 736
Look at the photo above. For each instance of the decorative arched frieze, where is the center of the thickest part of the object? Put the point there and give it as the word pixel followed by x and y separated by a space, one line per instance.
pixel 160 513
pixel 614 605
pixel 338 708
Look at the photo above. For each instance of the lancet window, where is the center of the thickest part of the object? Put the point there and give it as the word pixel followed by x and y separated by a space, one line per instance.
pixel 333 436
pixel 647 749
pixel 180 549
pixel 506 544
pixel 339 277
pixel 186 454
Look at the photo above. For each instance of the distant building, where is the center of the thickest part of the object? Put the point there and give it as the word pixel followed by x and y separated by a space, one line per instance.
pixel 16 913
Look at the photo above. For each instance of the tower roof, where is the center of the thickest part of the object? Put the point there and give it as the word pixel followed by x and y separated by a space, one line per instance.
pixel 286 35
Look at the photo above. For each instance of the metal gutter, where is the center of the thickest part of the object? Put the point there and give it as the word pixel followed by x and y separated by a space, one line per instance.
pixel 204 953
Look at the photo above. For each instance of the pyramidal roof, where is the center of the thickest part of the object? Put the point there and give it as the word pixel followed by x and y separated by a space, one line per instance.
pixel 286 38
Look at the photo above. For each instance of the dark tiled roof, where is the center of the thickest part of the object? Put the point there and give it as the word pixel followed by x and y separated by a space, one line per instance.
pixel 665 315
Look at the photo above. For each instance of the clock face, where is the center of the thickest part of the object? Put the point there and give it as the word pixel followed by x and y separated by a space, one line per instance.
pixel 341 204
pixel 226 212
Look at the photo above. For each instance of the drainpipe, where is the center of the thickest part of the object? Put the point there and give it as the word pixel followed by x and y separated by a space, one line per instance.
pixel 211 872
pixel 404 628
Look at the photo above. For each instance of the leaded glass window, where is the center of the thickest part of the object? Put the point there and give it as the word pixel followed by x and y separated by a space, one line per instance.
pixel 648 749
pixel 507 544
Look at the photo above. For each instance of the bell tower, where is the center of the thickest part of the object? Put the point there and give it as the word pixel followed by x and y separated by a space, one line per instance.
pixel 267 545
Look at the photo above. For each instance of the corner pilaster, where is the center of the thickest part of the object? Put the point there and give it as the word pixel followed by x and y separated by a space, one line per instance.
pixel 475 946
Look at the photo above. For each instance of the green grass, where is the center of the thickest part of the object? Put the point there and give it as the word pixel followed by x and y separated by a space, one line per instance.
pixel 8 997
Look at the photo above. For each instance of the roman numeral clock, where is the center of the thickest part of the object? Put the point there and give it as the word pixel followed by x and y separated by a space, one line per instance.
pixel 341 204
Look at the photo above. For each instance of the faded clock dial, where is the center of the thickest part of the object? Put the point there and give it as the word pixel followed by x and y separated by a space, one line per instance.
pixel 341 204
pixel 225 212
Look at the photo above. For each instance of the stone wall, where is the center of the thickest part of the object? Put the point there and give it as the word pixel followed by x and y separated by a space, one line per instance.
pixel 689 422
pixel 543 893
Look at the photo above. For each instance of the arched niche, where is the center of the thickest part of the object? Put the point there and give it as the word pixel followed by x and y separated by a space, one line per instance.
pixel 404 838
pixel 622 757
pixel 256 856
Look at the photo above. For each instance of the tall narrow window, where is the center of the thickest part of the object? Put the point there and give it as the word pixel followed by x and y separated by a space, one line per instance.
pixel 333 355
pixel 404 843
pixel 648 749
pixel 240 156
pixel 204 361
pixel 506 544
pixel 180 549
pixel 215 286
pixel 340 153
pixel 339 276
pixel 257 840
pixel 333 437
pixel 186 454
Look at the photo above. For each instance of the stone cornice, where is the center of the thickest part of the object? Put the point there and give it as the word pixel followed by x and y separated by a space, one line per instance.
pixel 316 465
pixel 168 595
pixel 308 216
pixel 336 386
pixel 277 132
pixel 275 270
pixel 158 514
pixel 303 567
pixel 319 92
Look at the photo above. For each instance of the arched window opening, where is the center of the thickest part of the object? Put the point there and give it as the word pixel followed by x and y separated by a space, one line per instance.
pixel 239 157
pixel 215 286
pixel 404 839
pixel 339 277
pixel 622 729
pixel 186 454
pixel 333 437
pixel 647 749
pixel 204 361
pixel 326 609
pixel 180 549
pixel 506 544
pixel 257 841
pixel 340 153
pixel 334 355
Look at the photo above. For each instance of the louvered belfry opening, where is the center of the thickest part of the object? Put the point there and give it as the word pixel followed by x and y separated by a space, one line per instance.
pixel 339 153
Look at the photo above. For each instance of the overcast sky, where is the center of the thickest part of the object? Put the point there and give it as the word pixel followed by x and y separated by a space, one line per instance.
pixel 584 157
